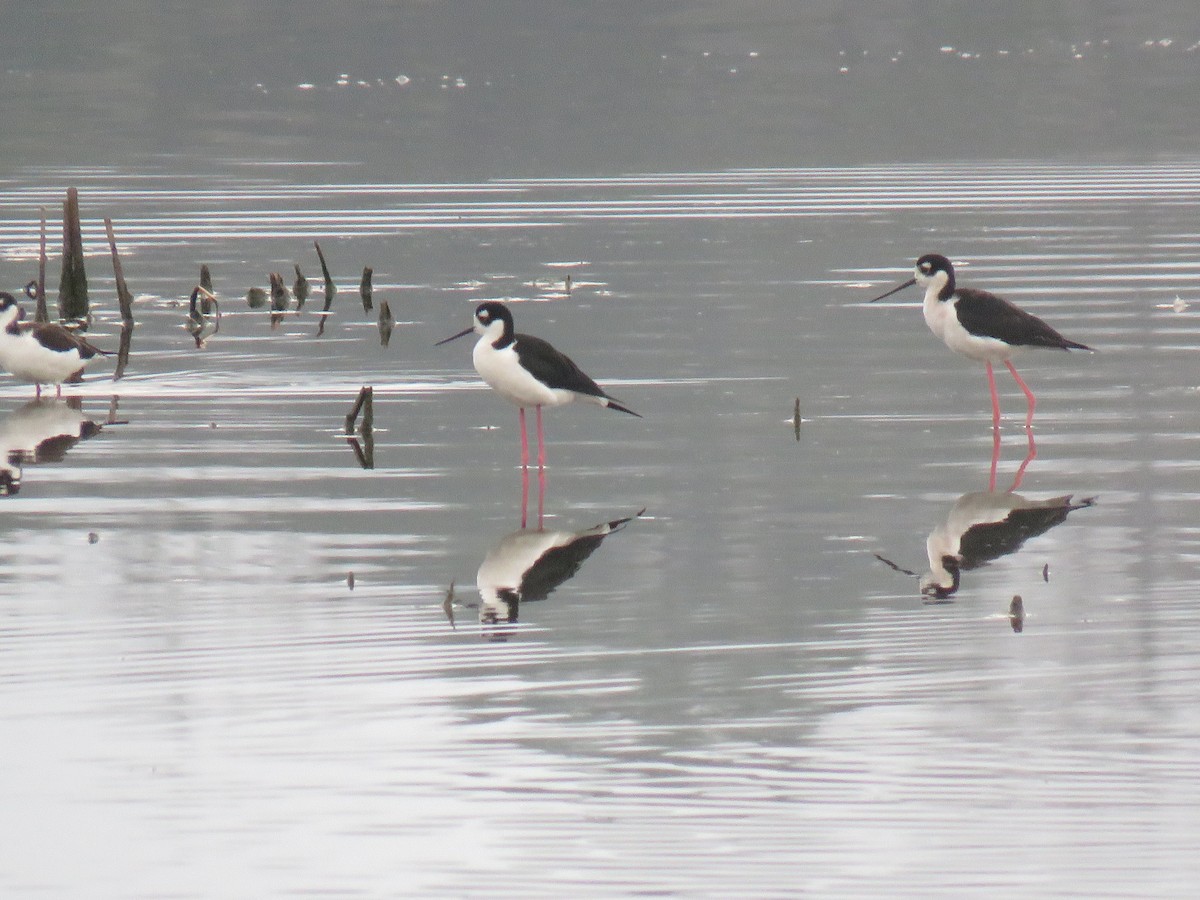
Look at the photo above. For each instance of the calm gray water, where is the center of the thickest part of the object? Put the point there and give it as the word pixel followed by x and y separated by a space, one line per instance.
pixel 733 695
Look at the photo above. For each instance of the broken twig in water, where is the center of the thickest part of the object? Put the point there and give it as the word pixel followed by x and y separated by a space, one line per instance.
pixel 796 418
pixel 364 452
pixel 280 299
pixel 124 297
pixel 366 289
pixel 386 323
pixel 448 605
pixel 123 350
pixel 300 288
pixel 330 289
pixel 279 293
pixel 365 404
pixel 1016 614
pixel 72 285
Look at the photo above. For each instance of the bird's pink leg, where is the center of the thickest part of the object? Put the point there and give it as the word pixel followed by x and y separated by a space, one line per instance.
pixel 541 496
pixel 995 459
pixel 1030 456
pixel 1028 395
pixel 37 390
pixel 524 439
pixel 995 397
pixel 58 391
pixel 524 495
pixel 541 441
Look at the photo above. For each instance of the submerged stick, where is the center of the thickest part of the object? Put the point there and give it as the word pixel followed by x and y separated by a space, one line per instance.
pixel 365 288
pixel 72 285
pixel 796 418
pixel 386 323
pixel 124 297
pixel 41 314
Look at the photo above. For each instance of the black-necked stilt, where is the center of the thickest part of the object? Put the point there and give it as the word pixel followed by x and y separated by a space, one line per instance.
pixel 528 371
pixel 980 325
pixel 41 431
pixel 528 565
pixel 41 354
pixel 983 526
pixel 200 303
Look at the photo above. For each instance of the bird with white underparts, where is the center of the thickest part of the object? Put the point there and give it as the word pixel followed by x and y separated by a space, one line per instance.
pixel 528 371
pixel 979 325
pixel 45 353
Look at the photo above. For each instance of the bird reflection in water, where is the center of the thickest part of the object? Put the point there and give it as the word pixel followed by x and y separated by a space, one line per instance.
pixel 530 564
pixel 41 431
pixel 983 526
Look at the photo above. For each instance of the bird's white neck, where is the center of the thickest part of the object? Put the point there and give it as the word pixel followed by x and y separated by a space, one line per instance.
pixel 491 332
pixel 934 308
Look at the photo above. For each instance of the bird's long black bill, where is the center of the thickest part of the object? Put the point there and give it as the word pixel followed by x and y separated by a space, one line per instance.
pixel 895 290
pixel 455 337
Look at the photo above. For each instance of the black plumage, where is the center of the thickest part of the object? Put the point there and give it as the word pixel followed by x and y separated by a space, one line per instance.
pixel 983 314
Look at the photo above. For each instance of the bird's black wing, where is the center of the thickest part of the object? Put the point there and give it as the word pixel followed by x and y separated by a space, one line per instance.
pixel 985 315
pixel 983 543
pixel 553 369
pixel 60 339
pixel 557 565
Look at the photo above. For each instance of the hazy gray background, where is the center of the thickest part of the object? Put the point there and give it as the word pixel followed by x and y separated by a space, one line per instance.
pixel 527 88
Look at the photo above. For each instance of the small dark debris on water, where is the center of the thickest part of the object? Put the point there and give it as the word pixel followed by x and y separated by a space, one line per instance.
pixel 93 538
pixel 350 580
pixel 386 323
pixel 366 289
pixel 567 283
pixel 796 418
pixel 1016 614
pixel 256 298
pixel 1046 573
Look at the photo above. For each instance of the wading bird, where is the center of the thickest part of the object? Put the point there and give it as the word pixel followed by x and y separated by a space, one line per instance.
pixel 41 353
pixel 980 325
pixel 528 371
